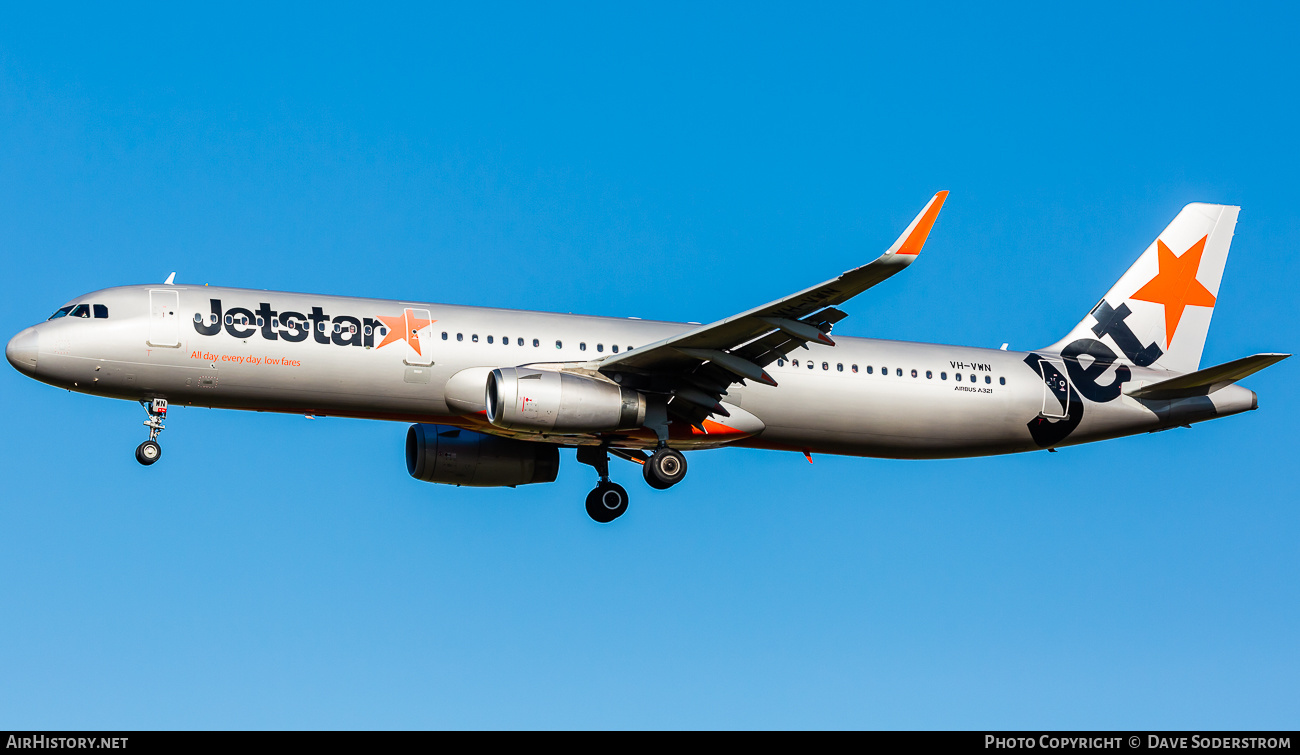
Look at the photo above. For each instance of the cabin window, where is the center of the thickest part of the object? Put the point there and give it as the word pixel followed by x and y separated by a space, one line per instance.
pixel 780 363
pixel 810 364
pixel 489 339
pixel 898 371
pixel 854 368
pixel 1002 381
pixel 230 319
pixel 957 376
pixel 198 318
pixel 260 322
pixel 972 377
pixel 614 348
pixel 460 336
pixel 474 338
pixel 929 375
pixel 582 346
pixel 943 376
pixel 825 366
pixel 505 340
pixel 794 362
pixel 444 335
pixel 913 373
pixel 600 347
pixel 101 312
pixel 884 371
pixel 988 379
pixel 368 330
pixel 521 342
pixel 338 328
pixel 839 368
pixel 559 344
pixel 60 312
pixel 383 331
pixel 870 369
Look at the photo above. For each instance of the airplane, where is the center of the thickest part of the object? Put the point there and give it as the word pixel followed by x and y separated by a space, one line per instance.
pixel 493 394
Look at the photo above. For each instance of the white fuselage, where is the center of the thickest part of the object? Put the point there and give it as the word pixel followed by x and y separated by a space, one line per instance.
pixel 863 397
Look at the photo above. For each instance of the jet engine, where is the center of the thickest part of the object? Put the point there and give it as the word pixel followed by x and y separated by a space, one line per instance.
pixel 519 398
pixel 450 455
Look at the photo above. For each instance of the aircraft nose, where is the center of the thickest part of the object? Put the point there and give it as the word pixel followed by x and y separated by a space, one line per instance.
pixel 22 349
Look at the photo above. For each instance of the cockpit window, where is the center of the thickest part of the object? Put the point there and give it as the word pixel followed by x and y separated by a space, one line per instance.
pixel 62 312
pixel 101 312
pixel 81 310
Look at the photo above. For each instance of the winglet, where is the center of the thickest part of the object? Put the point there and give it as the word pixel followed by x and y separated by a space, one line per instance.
pixel 170 279
pixel 914 237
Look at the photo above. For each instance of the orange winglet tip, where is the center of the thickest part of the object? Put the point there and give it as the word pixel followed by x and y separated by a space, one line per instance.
pixel 807 455
pixel 920 229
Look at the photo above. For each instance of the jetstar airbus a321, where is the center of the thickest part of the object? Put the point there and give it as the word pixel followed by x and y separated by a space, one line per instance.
pixel 495 393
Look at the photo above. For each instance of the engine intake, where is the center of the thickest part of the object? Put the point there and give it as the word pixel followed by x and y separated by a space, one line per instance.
pixel 452 456
pixel 519 398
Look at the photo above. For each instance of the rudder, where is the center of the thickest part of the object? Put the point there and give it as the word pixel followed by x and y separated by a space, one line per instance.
pixel 1158 313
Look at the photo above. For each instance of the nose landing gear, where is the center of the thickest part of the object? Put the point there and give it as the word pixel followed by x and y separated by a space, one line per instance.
pixel 149 451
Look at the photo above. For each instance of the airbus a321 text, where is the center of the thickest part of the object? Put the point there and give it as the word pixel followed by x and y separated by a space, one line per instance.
pixel 495 393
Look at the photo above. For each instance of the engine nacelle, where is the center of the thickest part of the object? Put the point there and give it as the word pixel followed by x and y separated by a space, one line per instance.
pixel 519 398
pixel 450 455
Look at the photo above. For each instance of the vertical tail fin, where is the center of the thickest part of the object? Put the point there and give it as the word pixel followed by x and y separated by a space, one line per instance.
pixel 1158 314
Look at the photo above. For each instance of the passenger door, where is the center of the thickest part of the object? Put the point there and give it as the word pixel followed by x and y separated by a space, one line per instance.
pixel 164 322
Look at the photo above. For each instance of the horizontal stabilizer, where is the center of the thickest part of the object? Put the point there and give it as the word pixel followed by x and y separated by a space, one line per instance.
pixel 1206 381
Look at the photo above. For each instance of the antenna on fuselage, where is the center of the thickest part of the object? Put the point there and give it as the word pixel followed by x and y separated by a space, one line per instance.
pixel 169 280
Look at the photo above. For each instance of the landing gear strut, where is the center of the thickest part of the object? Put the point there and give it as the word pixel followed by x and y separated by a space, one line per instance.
pixel 665 468
pixel 148 452
pixel 609 500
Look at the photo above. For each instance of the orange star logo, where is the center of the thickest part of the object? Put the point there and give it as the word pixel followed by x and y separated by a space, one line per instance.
pixel 1175 286
pixel 405 327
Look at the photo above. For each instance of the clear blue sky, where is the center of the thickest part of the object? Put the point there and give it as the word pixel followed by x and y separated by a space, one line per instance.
pixel 665 161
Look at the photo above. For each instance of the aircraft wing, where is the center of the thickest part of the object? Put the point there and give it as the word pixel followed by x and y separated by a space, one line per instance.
pixel 697 366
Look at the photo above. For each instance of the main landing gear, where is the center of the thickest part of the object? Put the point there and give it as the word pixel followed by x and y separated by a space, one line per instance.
pixel 609 500
pixel 663 469
pixel 148 452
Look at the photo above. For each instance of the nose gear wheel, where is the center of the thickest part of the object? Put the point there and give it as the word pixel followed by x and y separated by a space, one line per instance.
pixel 150 451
